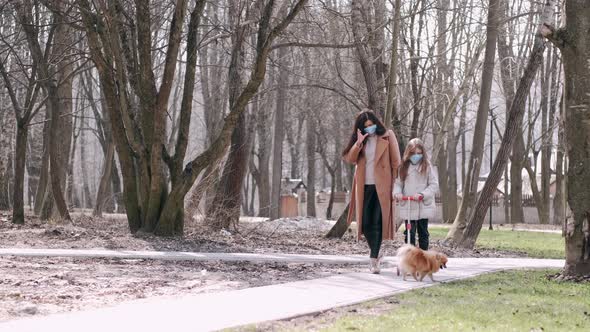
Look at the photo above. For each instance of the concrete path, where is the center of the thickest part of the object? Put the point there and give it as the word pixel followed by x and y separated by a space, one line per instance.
pixel 215 311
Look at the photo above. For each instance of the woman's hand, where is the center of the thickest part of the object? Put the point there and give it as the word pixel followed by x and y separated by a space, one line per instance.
pixel 418 197
pixel 360 138
pixel 398 197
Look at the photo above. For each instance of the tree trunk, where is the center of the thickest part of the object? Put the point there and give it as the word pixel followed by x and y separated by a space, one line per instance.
pixel 537 194
pixel 35 152
pixel 559 199
pixel 88 201
pixel 340 227
pixel 311 149
pixel 452 186
pixel 262 176
pixel 60 137
pixel 279 136
pixel 206 183
pixel 103 189
pixel 44 173
pixel 251 210
pixel 516 166
pixel 116 189
pixel 71 193
pixel 576 54
pixel 546 140
pixel 293 131
pixel 225 209
pixel 391 115
pixel 475 160
pixel 462 122
pixel 5 146
pixel 508 75
pixel 441 81
pixel 550 147
pixel 331 201
pixel 18 212
pixel 61 119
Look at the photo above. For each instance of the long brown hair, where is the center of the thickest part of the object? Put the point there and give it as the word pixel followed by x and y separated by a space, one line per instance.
pixel 413 145
pixel 359 123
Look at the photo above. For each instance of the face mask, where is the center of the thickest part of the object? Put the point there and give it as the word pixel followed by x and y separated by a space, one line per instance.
pixel 371 129
pixel 414 159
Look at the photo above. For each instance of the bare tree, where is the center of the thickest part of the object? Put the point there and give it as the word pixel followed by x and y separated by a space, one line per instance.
pixel 475 160
pixel 278 137
pixel 261 173
pixel 513 125
pixel 58 87
pixel 508 74
pixel 225 208
pixel 364 20
pixel 149 204
pixel 311 143
pixel 6 122
pixel 56 81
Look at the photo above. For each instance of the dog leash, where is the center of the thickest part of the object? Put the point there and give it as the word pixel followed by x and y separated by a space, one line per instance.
pixel 410 199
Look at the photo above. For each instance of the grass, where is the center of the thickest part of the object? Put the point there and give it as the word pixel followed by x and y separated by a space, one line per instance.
pixel 534 244
pixel 504 301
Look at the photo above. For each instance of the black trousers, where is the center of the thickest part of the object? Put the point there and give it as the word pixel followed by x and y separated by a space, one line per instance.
pixel 423 235
pixel 372 220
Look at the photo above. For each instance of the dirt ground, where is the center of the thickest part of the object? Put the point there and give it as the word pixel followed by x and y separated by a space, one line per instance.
pixel 294 235
pixel 39 286
pixel 43 286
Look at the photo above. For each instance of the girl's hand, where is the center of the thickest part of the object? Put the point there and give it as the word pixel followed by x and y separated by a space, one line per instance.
pixel 418 197
pixel 360 138
pixel 398 197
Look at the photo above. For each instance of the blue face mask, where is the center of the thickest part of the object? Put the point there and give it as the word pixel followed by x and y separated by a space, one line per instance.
pixel 414 159
pixel 371 129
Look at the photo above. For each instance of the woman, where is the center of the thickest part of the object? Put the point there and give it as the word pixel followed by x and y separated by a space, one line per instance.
pixel 374 151
pixel 416 178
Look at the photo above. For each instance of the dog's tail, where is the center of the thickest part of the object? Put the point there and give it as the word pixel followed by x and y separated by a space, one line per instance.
pixel 403 250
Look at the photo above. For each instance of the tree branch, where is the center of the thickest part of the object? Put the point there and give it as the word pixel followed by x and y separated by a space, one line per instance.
pixel 312 45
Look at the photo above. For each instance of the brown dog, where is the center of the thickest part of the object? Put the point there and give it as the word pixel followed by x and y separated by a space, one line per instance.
pixel 419 263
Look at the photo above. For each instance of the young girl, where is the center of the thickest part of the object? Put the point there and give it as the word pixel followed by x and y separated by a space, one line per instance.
pixel 416 178
pixel 374 151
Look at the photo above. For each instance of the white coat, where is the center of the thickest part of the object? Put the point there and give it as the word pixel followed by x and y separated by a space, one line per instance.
pixel 417 183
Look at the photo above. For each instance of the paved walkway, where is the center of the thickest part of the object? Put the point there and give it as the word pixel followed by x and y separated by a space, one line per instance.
pixel 215 311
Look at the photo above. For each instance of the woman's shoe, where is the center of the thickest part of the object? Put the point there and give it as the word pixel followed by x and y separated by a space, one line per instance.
pixel 380 259
pixel 375 266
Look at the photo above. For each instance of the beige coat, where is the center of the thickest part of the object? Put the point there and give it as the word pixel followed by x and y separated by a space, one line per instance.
pixel 387 161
